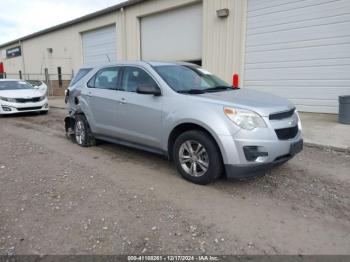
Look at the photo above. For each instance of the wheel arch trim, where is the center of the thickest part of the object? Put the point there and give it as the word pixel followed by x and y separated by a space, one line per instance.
pixel 181 127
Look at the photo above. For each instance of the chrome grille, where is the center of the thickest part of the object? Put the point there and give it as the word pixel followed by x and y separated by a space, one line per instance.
pixel 28 100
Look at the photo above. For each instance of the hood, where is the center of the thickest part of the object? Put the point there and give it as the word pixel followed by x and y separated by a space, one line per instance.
pixel 24 93
pixel 42 89
pixel 260 102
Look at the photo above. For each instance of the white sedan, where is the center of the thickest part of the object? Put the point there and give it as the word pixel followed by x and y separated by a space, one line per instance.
pixel 38 84
pixel 17 96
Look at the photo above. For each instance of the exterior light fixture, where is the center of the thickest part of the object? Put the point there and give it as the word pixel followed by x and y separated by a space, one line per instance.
pixel 223 13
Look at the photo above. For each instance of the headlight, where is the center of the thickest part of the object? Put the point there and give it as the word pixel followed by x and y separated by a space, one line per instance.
pixel 42 98
pixel 244 118
pixel 299 121
pixel 13 100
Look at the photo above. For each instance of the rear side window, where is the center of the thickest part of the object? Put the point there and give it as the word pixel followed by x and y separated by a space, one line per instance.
pixel 81 73
pixel 106 78
pixel 134 77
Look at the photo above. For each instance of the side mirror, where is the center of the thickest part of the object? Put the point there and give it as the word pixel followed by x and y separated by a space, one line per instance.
pixel 148 90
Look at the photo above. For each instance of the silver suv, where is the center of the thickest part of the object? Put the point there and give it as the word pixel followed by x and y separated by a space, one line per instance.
pixel 184 112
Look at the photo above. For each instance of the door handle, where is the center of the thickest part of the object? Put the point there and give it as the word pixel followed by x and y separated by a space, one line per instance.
pixel 89 94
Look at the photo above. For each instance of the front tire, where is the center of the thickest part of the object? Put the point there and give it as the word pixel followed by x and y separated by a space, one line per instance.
pixel 197 157
pixel 82 132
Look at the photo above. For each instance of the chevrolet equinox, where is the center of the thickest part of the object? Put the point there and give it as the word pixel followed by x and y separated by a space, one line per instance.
pixel 207 127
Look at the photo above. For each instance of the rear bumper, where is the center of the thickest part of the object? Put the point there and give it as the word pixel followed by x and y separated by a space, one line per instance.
pixel 247 171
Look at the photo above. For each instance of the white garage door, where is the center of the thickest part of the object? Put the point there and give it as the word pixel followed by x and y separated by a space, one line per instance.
pixel 99 46
pixel 299 50
pixel 174 35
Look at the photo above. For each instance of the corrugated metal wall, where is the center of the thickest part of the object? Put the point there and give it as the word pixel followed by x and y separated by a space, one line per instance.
pixel 174 35
pixel 299 50
pixel 99 46
pixel 128 24
pixel 223 38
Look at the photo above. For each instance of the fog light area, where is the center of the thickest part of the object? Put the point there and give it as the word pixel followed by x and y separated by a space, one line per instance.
pixel 6 109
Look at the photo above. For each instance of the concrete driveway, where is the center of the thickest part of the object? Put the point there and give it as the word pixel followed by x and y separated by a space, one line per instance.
pixel 59 198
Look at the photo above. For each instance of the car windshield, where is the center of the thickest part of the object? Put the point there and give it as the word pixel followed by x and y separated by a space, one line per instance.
pixel 81 73
pixel 191 79
pixel 14 85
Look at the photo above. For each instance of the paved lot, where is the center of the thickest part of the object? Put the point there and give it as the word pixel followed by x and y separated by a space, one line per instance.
pixel 324 129
pixel 59 198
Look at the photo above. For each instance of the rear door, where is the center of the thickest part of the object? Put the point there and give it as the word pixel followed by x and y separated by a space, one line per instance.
pixel 103 98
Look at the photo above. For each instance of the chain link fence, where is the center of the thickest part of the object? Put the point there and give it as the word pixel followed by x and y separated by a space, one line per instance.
pixel 56 84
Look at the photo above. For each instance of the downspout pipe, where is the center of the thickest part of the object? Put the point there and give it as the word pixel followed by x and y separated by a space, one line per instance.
pixel 22 54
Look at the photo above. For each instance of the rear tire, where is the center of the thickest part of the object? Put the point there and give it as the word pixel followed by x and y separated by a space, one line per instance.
pixel 82 132
pixel 197 157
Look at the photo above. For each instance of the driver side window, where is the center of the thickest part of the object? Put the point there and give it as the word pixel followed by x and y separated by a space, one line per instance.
pixel 135 77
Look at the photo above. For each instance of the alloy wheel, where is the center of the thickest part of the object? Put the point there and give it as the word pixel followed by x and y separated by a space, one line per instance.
pixel 193 158
pixel 80 132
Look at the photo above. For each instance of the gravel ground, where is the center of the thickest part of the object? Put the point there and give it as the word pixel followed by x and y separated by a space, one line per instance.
pixel 59 198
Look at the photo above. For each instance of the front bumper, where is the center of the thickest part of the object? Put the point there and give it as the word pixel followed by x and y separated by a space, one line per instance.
pixel 8 108
pixel 247 171
pixel 249 154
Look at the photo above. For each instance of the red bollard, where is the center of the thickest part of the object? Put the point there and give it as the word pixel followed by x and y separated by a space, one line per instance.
pixel 2 70
pixel 235 81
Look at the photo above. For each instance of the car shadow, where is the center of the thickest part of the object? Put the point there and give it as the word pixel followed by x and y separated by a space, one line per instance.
pixel 137 155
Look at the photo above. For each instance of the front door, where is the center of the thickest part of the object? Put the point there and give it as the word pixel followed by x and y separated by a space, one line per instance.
pixel 141 114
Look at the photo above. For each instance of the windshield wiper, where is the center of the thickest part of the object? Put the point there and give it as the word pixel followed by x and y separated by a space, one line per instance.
pixel 192 91
pixel 219 88
pixel 202 91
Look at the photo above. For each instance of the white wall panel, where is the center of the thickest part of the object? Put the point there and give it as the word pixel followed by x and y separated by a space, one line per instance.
pixel 299 50
pixel 173 35
pixel 223 38
pixel 99 46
